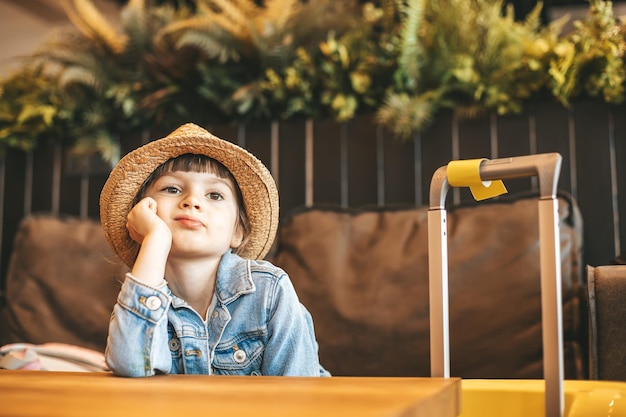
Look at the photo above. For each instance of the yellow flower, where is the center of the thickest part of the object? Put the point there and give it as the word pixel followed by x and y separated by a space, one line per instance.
pixel 534 64
pixel 338 102
pixel 331 47
pixel 360 81
pixel 272 80
pixel 328 47
pixel 344 107
pixel 564 49
pixel 539 47
pixel 291 78
pixel 371 13
pixel 303 56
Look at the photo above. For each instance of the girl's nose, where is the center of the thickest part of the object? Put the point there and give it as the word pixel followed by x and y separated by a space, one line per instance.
pixel 191 201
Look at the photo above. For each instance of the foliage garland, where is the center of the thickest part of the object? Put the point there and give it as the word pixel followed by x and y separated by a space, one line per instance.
pixel 235 61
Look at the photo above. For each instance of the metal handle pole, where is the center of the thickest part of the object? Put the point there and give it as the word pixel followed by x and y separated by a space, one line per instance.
pixel 547 168
pixel 551 308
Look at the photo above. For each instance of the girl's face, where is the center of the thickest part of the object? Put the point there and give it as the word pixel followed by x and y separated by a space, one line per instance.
pixel 201 210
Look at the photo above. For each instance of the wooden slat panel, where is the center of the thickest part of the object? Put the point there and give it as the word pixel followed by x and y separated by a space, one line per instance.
pixel 42 178
pixel 474 142
pixel 514 140
pixel 258 142
pixel 292 165
pixel 474 138
pixel 226 132
pixel 71 195
pixel 400 175
pixel 620 156
pixel 14 204
pixel 594 180
pixel 75 171
pixel 96 182
pixel 436 149
pixel 326 162
pixel 133 140
pixel 362 160
pixel 552 132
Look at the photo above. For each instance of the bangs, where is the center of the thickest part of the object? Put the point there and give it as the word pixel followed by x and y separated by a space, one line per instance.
pixel 195 163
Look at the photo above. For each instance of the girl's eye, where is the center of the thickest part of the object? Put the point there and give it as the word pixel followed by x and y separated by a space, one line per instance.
pixel 171 190
pixel 215 196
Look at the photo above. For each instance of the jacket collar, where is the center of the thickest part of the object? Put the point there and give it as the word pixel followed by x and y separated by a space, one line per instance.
pixel 233 278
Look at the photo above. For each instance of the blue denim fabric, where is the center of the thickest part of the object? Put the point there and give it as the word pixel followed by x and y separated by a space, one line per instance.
pixel 256 326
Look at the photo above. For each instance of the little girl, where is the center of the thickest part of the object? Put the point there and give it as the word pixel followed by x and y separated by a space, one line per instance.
pixel 192 216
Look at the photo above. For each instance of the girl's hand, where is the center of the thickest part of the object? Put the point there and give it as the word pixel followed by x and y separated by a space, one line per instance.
pixel 143 220
pixel 155 238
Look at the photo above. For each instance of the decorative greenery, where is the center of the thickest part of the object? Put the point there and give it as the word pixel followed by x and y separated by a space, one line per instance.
pixel 485 60
pixel 247 45
pixel 489 62
pixel 590 61
pixel 29 109
pixel 344 74
pixel 239 61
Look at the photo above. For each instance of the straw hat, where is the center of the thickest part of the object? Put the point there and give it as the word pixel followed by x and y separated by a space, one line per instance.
pixel 258 188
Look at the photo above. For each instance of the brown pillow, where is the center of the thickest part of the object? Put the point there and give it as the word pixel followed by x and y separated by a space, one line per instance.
pixel 61 285
pixel 364 277
pixel 606 290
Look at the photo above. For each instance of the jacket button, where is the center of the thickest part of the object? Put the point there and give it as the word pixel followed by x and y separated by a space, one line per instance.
pixel 239 356
pixel 174 345
pixel 153 302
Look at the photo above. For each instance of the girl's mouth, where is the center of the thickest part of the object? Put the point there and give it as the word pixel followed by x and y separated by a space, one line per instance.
pixel 189 222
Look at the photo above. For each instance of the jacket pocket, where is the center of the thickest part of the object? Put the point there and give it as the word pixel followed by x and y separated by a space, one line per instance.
pixel 242 356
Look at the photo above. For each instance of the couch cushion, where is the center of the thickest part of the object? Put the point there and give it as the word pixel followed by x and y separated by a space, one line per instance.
pixel 607 315
pixel 61 284
pixel 364 277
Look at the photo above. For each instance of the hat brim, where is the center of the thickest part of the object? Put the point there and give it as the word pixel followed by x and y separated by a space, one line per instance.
pixel 256 183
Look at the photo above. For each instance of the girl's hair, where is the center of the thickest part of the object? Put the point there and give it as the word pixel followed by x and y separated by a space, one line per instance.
pixel 200 163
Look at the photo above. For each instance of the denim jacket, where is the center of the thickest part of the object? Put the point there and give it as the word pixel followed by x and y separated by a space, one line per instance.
pixel 255 326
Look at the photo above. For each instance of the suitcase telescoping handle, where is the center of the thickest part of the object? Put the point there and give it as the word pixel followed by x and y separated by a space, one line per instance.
pixel 546 167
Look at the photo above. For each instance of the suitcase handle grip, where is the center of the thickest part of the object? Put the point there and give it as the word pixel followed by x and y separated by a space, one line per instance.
pixel 546 167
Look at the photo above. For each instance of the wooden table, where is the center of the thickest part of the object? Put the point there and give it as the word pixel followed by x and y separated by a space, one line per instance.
pixel 51 394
